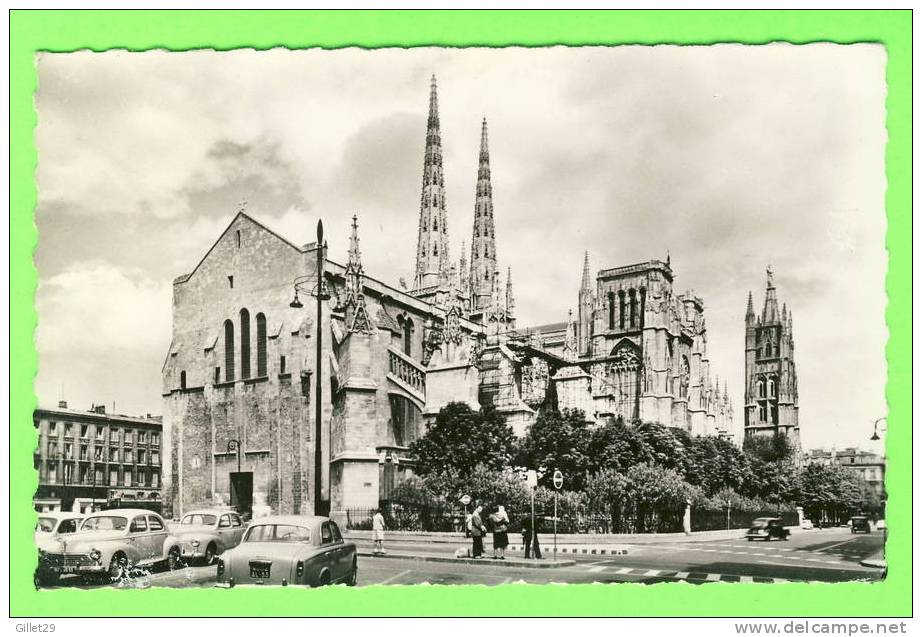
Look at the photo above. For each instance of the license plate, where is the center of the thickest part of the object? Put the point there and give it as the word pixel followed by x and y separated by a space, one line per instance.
pixel 68 569
pixel 260 572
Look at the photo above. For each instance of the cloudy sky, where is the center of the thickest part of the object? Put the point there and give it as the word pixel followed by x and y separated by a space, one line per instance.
pixel 728 157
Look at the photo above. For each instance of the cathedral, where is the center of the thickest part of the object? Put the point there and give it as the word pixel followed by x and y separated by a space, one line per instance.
pixel 248 358
pixel 771 378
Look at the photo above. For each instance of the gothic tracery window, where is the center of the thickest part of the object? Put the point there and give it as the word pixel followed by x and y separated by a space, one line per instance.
pixel 228 350
pixel 261 345
pixel 244 343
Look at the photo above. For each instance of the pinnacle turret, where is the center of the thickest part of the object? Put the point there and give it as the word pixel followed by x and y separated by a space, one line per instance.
pixel 750 312
pixel 432 256
pixel 356 311
pixel 510 299
pixel 586 283
pixel 483 241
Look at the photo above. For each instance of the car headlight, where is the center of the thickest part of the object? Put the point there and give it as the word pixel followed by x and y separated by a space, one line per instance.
pixel 300 570
pixel 95 555
pixel 220 567
pixel 194 543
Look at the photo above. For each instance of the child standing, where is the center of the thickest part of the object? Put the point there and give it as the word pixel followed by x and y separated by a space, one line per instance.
pixel 377 532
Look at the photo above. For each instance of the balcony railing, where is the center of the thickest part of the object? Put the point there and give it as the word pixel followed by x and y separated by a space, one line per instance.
pixel 407 371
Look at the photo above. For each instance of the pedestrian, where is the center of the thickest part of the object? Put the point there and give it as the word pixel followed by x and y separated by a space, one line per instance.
pixel 377 532
pixel 477 530
pixel 527 540
pixel 500 532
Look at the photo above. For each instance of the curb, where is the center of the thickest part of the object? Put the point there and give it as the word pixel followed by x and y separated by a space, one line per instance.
pixel 469 560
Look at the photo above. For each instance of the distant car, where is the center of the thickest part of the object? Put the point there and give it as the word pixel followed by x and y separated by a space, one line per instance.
pixel 290 549
pixel 109 544
pixel 806 524
pixel 881 525
pixel 766 529
pixel 860 524
pixel 206 533
pixel 53 524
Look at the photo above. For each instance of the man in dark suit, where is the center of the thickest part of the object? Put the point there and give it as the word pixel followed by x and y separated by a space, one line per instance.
pixel 527 539
pixel 477 531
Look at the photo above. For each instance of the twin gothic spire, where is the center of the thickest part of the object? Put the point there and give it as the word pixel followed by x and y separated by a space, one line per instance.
pixel 481 281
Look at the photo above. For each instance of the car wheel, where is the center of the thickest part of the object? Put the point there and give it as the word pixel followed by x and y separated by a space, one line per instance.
pixel 174 559
pixel 118 567
pixel 46 578
pixel 324 579
pixel 354 579
pixel 210 551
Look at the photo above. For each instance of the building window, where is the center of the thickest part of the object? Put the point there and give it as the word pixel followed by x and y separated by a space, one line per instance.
pixel 155 439
pixel 100 432
pixel 435 250
pixel 128 435
pixel 763 412
pixel 261 345
pixel 230 280
pixel 52 471
pixel 621 308
pixel 68 430
pixel 774 410
pixel 142 456
pixel 761 386
pixel 238 238
pixel 113 435
pixel 52 428
pixel 182 379
pixel 113 454
pixel 84 452
pixel 154 457
pixel 154 479
pixel 142 437
pixel 244 343
pixel 611 310
pixel 408 337
pixel 282 364
pixel 69 451
pixel 129 456
pixel 643 305
pixel 217 375
pixel 633 302
pixel 97 456
pixel 113 477
pixel 228 350
pixel 84 431
pixel 772 388
pixel 435 223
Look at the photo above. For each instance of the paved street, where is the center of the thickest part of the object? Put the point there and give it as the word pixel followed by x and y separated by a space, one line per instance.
pixel 829 555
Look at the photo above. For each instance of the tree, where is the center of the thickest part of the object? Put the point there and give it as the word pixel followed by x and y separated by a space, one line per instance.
pixel 614 445
pixel 833 492
pixel 558 440
pixel 776 448
pixel 461 439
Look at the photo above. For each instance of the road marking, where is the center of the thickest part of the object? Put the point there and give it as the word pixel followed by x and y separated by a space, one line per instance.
pixel 712 577
pixel 826 548
pixel 651 573
pixel 599 569
pixel 506 581
pixel 623 571
pixel 682 575
pixel 745 579
pixel 397 576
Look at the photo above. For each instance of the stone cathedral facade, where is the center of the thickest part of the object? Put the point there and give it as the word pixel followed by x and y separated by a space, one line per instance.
pixel 240 376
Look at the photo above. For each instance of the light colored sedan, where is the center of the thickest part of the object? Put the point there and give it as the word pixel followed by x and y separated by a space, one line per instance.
pixel 109 544
pixel 290 549
pixel 206 533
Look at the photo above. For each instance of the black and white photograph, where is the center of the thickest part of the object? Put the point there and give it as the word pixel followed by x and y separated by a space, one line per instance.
pixel 446 316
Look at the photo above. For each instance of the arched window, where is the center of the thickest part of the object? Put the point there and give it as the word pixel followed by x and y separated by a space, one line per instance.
pixel 772 387
pixel 408 337
pixel 435 201
pixel 261 345
pixel 611 310
pixel 476 253
pixel 238 238
pixel 228 350
pixel 683 379
pixel 761 388
pixel 633 301
pixel 621 307
pixel 435 250
pixel 182 379
pixel 244 343
pixel 643 304
pixel 763 412
pixel 435 223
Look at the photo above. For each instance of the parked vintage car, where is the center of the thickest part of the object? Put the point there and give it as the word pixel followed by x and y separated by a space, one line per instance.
pixel 290 549
pixel 110 543
pixel 860 524
pixel 206 533
pixel 806 524
pixel 53 524
pixel 766 529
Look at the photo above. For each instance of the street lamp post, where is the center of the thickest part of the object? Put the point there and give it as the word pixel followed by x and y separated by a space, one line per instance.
pixel 319 291
pixel 874 436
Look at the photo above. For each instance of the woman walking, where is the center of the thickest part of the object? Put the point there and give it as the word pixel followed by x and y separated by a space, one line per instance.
pixel 500 532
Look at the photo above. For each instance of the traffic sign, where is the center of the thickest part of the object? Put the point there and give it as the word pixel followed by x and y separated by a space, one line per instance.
pixel 558 479
pixel 465 499
pixel 531 478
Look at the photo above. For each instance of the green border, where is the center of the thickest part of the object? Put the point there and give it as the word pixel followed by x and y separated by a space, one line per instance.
pixel 31 31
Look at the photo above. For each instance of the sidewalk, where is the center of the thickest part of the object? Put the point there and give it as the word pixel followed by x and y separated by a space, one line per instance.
pixel 875 560
pixel 518 562
pixel 563 539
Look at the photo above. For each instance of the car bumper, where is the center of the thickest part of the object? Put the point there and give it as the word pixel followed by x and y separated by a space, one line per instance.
pixel 71 565
pixel 191 553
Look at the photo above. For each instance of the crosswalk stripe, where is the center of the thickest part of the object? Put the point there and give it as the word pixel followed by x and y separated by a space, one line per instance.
pixel 745 579
pixel 623 571
pixel 598 569
pixel 651 573
pixel 712 577
pixel 682 575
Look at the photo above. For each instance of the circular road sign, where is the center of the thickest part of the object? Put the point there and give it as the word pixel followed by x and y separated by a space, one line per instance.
pixel 558 479
pixel 465 499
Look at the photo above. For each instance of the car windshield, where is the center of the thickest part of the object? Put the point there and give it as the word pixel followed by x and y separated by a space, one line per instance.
pixel 200 518
pixel 105 523
pixel 45 525
pixel 278 533
pixel 761 522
